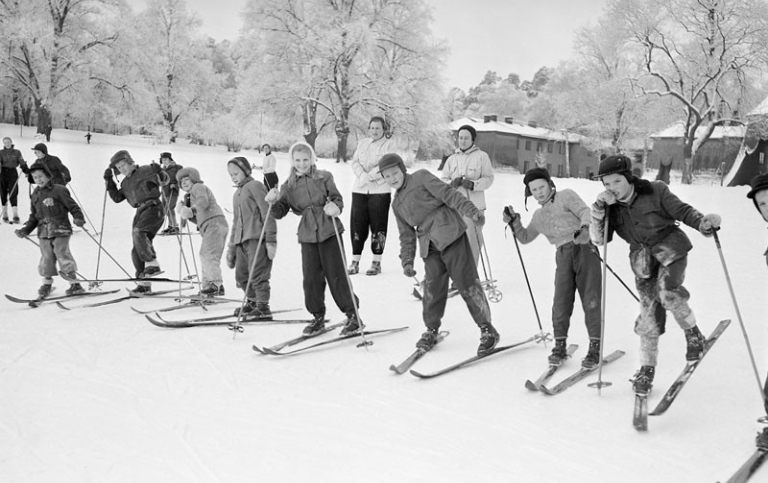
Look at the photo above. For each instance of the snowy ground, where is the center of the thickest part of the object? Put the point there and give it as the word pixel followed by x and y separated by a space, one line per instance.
pixel 101 395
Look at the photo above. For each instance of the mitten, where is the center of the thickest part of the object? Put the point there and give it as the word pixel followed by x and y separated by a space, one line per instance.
pixel 108 174
pixel 20 233
pixel 456 182
pixel 509 215
pixel 606 198
pixel 408 271
pixel 709 224
pixel 479 219
pixel 581 236
pixel 272 196
pixel 332 209
pixel 271 250
pixel 467 184
pixel 186 213
pixel 79 222
pixel 231 256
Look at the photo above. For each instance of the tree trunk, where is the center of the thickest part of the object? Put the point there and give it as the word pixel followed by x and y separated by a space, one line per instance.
pixel 687 170
pixel 342 134
pixel 309 117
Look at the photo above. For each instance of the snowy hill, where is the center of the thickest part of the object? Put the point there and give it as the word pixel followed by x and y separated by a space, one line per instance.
pixel 102 395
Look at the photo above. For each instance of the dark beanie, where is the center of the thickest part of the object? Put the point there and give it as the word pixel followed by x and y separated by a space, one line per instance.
pixel 121 155
pixel 41 147
pixel 166 155
pixel 616 164
pixel 241 163
pixel 38 166
pixel 391 160
pixel 472 131
pixel 533 174
pixel 758 183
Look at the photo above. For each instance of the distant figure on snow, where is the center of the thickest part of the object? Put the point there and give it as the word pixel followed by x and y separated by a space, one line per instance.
pixel 10 160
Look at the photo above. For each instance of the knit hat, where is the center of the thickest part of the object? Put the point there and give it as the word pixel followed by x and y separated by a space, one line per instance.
pixel 121 155
pixel 38 166
pixel 758 183
pixel 472 131
pixel 191 173
pixel 166 155
pixel 41 147
pixel 241 163
pixel 534 174
pixel 391 160
pixel 616 164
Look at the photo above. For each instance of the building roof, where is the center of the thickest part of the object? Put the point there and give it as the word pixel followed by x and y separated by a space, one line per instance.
pixel 675 130
pixel 760 110
pixel 522 130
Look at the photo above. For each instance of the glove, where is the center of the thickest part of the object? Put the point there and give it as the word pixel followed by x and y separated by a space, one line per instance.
pixel 332 209
pixel 20 233
pixel 456 182
pixel 231 256
pixel 179 206
pixel 479 219
pixel 108 174
pixel 606 198
pixel 373 177
pixel 272 196
pixel 509 215
pixel 709 224
pixel 467 184
pixel 408 271
pixel 186 213
pixel 79 222
pixel 581 236
pixel 271 250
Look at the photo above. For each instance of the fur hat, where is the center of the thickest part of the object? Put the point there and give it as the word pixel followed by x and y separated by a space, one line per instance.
pixel 191 173
pixel 121 155
pixel 758 183
pixel 241 163
pixel 391 160
pixel 534 174
pixel 166 155
pixel 616 164
pixel 38 166
pixel 467 127
pixel 41 147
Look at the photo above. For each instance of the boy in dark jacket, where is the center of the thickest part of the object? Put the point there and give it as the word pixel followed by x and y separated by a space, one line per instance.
pixel 50 207
pixel 431 211
pixel 59 172
pixel 141 187
pixel 10 160
pixel 170 192
pixel 646 215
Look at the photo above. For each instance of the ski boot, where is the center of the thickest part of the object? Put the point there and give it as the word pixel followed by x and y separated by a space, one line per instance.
pixel 5 219
pixel 262 311
pixel 593 355
pixel 375 268
pixel 489 337
pixel 354 267
pixel 246 310
pixel 16 220
pixel 559 353
pixel 150 271
pixel 694 340
pixel 317 324
pixel 762 440
pixel 44 290
pixel 74 289
pixel 428 340
pixel 642 381
pixel 141 290
pixel 351 326
pixel 212 290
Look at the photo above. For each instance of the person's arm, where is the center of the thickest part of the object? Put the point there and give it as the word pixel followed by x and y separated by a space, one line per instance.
pixel 73 208
pixel 267 213
pixel 451 197
pixel 114 193
pixel 66 176
pixel 333 192
pixel 486 174
pixel 407 241
pixel 678 209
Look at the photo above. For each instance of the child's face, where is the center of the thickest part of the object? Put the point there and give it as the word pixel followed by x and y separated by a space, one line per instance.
pixel 394 177
pixel 124 167
pixel 617 184
pixel 540 189
pixel 465 139
pixel 761 198
pixel 302 161
pixel 235 174
pixel 166 162
pixel 186 183
pixel 40 178
pixel 39 154
pixel 7 143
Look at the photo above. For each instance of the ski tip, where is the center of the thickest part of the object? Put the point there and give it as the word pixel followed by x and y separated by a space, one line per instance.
pixel 418 374
pixel 258 349
pixel 545 390
pixel 62 306
pixel 531 386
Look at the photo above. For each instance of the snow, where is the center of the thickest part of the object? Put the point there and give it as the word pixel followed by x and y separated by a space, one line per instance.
pixel 102 395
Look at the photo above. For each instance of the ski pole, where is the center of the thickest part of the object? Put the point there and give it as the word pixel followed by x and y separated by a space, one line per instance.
pixel 101 247
pixel 194 260
pixel 604 288
pixel 101 238
pixel 494 294
pixel 530 291
pixel 237 327
pixel 593 250
pixel 365 343
pixel 82 207
pixel 738 315
pixel 38 246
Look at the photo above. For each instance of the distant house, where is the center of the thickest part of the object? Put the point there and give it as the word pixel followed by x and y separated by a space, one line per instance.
pixel 722 146
pixel 751 159
pixel 518 145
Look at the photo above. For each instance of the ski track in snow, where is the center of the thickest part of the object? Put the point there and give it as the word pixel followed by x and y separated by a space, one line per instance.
pixel 102 395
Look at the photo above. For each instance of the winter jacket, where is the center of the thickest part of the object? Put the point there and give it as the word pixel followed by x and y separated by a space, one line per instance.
pixel 430 210
pixel 59 172
pixel 475 165
pixel 250 211
pixel 365 165
pixel 50 206
pixel 269 164
pixel 172 183
pixel 203 204
pixel 558 219
pixel 306 196
pixel 648 222
pixel 141 188
pixel 12 158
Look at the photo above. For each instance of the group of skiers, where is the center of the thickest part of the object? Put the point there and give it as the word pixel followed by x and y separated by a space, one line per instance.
pixel 441 219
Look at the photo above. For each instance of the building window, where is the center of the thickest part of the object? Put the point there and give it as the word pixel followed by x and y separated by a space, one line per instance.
pixel 559 149
pixel 549 167
pixel 560 170
pixel 525 166
pixel 539 148
pixel 527 144
pixel 549 147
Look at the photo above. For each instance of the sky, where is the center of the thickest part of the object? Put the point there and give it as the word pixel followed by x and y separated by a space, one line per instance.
pixel 505 36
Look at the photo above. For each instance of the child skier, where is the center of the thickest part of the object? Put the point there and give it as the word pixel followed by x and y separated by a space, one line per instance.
pixel 312 194
pixel 250 217
pixel 170 192
pixel 430 210
pixel 141 187
pixel 645 214
pixel 60 174
pixel 49 209
pixel 564 219
pixel 200 207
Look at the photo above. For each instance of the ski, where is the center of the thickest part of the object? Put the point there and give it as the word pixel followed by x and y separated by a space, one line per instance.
pixel 126 279
pixel 58 297
pixel 193 298
pixel 750 467
pixel 640 415
pixel 297 340
pixel 690 367
pixel 547 375
pixel 466 362
pixel 579 375
pixel 417 354
pixel 183 324
pixel 334 340
pixel 452 292
pixel 215 318
pixel 108 302
pixel 183 305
